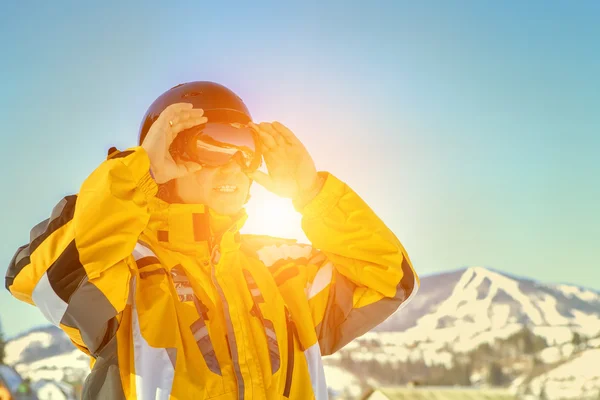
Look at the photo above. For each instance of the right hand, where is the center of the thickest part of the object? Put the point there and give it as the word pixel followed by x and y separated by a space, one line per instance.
pixel 160 136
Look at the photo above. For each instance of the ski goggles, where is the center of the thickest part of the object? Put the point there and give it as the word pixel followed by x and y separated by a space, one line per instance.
pixel 215 144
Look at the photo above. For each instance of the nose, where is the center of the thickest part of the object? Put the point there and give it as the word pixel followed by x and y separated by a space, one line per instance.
pixel 232 167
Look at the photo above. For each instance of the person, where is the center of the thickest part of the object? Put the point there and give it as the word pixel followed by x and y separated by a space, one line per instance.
pixel 147 272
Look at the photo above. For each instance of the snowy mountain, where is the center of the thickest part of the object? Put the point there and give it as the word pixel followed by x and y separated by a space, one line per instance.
pixel 36 344
pixel 476 305
pixel 46 353
pixel 462 322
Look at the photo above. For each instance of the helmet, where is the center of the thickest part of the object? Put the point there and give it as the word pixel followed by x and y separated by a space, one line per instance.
pixel 219 103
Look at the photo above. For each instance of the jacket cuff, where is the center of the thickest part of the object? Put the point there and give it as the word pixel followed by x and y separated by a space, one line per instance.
pixel 148 185
pixel 333 189
pixel 138 162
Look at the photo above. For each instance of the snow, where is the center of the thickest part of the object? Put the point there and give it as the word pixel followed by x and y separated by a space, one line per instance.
pixel 548 305
pixel 500 315
pixel 574 379
pixel 550 355
pixel 53 390
pixel 378 396
pixel 57 368
pixel 15 347
pixel 342 381
pixel 554 334
pixel 589 324
pixel 470 316
pixel 582 294
pixel 554 354
pixel 511 287
pixel 567 350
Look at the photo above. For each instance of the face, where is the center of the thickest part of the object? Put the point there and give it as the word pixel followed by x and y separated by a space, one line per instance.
pixel 224 189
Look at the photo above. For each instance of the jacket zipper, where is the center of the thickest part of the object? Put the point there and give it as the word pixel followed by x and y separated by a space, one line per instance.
pixel 214 258
pixel 290 359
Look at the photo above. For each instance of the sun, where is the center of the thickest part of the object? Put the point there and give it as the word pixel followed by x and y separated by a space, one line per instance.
pixel 269 214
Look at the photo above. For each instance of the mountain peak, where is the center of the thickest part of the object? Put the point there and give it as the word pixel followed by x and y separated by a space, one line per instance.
pixel 480 302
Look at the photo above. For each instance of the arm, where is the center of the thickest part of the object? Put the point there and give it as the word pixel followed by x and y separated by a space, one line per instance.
pixel 75 268
pixel 363 273
pixel 357 272
pixel 354 276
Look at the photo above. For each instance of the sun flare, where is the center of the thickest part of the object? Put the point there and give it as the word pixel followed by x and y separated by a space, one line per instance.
pixel 271 215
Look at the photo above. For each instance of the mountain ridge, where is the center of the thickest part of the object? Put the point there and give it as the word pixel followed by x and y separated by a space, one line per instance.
pixel 510 274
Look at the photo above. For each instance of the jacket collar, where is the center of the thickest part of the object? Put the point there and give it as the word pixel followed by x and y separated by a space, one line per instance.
pixel 189 228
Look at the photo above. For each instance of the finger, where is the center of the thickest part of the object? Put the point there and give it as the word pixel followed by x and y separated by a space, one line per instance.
pixel 280 140
pixel 287 134
pixel 262 179
pixel 188 114
pixel 269 129
pixel 171 111
pixel 255 128
pixel 268 156
pixel 270 160
pixel 185 116
pixel 267 140
pixel 190 123
pixel 178 106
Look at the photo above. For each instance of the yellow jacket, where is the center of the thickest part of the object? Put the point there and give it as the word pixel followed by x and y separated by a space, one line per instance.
pixel 172 302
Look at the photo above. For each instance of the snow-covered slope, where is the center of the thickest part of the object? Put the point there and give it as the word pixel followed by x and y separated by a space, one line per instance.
pixel 476 305
pixel 70 366
pixel 578 378
pixel 37 344
pixel 17 349
pixel 46 353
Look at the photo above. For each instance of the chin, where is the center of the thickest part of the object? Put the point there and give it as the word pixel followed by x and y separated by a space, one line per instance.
pixel 229 212
pixel 226 209
pixel 228 206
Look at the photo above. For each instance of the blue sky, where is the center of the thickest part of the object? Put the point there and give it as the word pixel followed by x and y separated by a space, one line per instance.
pixel 472 128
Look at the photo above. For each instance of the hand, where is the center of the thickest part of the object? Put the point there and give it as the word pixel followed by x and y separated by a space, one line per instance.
pixel 160 136
pixel 292 171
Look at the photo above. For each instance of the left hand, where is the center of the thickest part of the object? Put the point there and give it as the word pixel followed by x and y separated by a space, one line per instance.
pixel 292 171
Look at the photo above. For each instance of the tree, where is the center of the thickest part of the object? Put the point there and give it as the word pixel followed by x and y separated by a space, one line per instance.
pixel 495 374
pixel 2 347
pixel 527 345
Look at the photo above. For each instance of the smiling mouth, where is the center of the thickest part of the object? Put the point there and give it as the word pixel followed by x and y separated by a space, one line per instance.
pixel 226 189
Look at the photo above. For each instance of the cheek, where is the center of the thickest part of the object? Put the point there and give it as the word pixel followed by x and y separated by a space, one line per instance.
pixel 204 182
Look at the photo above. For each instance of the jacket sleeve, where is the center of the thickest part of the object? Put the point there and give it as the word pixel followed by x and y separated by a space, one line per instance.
pixel 76 267
pixel 355 273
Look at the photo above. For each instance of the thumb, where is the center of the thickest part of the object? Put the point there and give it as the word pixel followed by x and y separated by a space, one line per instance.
pixel 262 179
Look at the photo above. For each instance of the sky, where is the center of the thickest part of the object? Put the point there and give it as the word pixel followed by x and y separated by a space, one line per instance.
pixel 471 128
